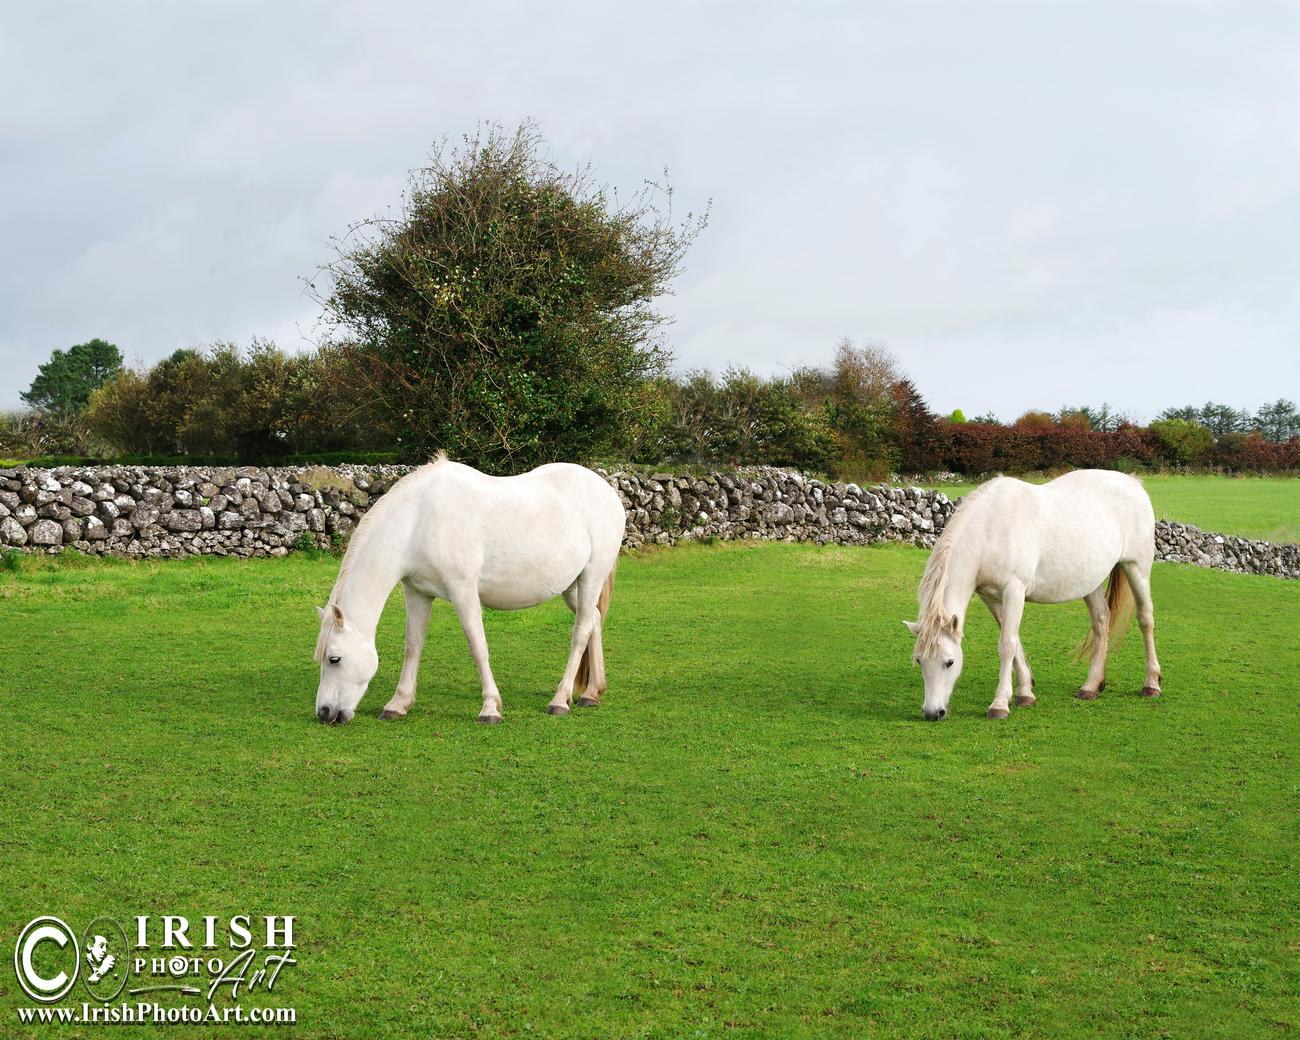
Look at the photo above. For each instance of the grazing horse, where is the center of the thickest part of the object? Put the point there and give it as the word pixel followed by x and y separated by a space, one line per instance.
pixel 446 531
pixel 1010 542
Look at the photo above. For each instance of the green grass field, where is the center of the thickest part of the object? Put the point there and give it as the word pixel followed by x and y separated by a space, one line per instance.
pixel 1253 507
pixel 755 835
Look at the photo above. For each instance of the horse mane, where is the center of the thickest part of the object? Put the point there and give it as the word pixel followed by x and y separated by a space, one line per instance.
pixel 934 582
pixel 360 536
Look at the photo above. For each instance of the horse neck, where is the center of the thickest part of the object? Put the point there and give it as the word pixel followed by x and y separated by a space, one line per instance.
pixel 370 576
pixel 961 572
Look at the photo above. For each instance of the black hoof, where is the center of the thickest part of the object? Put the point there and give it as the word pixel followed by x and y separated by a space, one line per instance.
pixel 556 709
pixel 386 714
pixel 1025 701
pixel 489 720
pixel 1087 695
pixel 588 702
pixel 1150 691
pixel 999 713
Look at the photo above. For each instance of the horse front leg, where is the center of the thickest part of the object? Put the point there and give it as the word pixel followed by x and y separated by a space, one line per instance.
pixel 470 611
pixel 1139 580
pixel 1013 606
pixel 418 607
pixel 1099 612
pixel 1024 676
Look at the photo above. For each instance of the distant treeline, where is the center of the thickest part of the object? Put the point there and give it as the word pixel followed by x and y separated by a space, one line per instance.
pixel 859 418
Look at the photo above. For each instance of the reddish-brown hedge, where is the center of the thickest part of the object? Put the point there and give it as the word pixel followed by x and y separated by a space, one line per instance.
pixel 975 448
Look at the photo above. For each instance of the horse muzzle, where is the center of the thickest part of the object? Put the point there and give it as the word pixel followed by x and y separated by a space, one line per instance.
pixel 935 715
pixel 333 716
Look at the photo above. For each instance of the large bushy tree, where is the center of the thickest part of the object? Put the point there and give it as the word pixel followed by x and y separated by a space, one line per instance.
pixel 63 384
pixel 507 313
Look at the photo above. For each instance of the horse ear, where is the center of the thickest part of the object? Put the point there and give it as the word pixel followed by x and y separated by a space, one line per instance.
pixel 952 624
pixel 320 613
pixel 913 626
pixel 337 611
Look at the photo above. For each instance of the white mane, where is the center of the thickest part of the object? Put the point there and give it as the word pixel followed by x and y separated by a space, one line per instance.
pixel 373 518
pixel 934 582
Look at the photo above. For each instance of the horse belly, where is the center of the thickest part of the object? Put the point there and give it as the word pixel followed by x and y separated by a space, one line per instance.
pixel 523 576
pixel 1071 568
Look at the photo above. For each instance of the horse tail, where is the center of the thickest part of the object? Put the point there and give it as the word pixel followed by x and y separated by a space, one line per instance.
pixel 583 678
pixel 1120 605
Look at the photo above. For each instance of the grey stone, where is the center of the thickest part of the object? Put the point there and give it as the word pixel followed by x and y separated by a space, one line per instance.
pixel 46 532
pixel 182 520
pixel 143 515
pixel 12 532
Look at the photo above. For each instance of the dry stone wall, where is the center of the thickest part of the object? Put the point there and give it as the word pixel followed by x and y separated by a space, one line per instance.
pixel 255 511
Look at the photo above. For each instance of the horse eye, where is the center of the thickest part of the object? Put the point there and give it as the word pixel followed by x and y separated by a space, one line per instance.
pixel 948 663
pixel 336 660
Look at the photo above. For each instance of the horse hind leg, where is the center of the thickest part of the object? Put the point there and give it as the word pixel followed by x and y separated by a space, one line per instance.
pixel 1097 643
pixel 1139 580
pixel 595 659
pixel 582 597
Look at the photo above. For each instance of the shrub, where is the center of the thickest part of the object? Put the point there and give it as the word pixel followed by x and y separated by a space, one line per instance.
pixel 507 313
pixel 218 403
pixel 26 435
pixel 743 419
pixel 1036 420
pixel 1181 441
pixel 977 448
pixel 1252 453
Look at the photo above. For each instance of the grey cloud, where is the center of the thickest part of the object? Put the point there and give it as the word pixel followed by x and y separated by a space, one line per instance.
pixel 1031 204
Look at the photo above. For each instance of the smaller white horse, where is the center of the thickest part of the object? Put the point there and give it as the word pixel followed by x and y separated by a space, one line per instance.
pixel 1010 541
pixel 446 531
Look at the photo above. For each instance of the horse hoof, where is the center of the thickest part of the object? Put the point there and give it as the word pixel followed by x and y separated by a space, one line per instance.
pixel 999 713
pixel 556 709
pixel 388 713
pixel 1087 695
pixel 1025 700
pixel 489 720
pixel 1150 691
pixel 588 702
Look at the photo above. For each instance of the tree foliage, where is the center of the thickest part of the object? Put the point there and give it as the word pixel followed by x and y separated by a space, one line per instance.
pixel 223 402
pixel 1185 442
pixel 63 385
pixel 507 313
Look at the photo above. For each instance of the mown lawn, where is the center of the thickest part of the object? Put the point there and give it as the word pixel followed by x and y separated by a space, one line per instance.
pixel 1253 507
pixel 755 835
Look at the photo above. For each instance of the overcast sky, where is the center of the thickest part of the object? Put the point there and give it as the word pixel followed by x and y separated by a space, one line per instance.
pixel 1032 204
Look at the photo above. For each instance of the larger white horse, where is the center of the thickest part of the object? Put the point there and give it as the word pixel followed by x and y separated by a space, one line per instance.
pixel 446 531
pixel 1010 542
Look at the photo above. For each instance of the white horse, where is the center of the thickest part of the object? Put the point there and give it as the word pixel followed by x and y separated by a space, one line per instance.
pixel 447 531
pixel 1010 542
